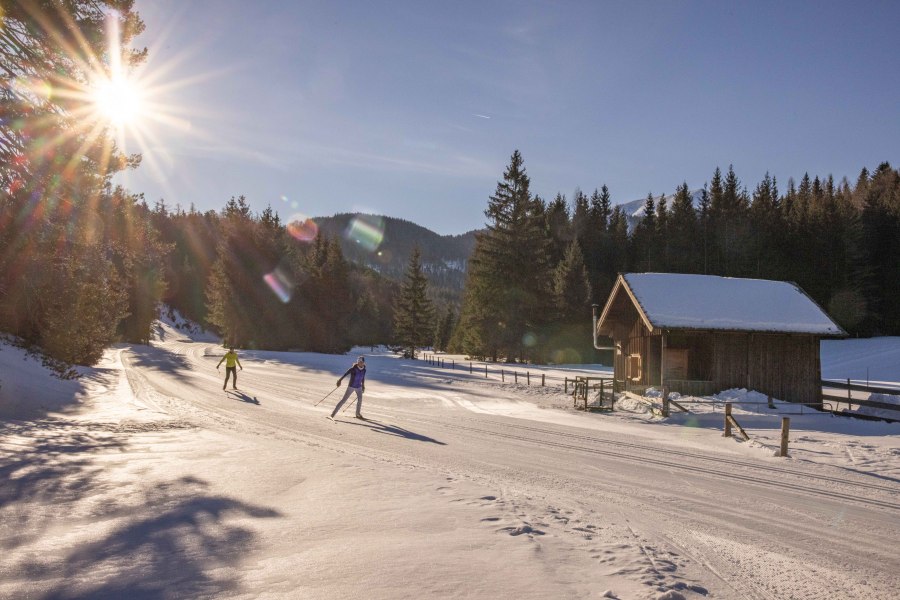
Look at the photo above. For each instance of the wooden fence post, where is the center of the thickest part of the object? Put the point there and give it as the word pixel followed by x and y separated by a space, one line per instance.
pixel 528 377
pixel 502 375
pixel 516 375
pixel 849 397
pixel 485 370
pixel 785 431
pixel 470 367
pixel 728 419
pixel 542 379
pixel 453 363
pixel 665 402
pixel 566 385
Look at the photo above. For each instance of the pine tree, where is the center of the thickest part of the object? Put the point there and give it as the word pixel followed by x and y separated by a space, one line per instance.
pixel 444 331
pixel 571 287
pixel 413 310
pixel 662 234
pixel 683 232
pixel 643 242
pixel 505 303
pixel 559 228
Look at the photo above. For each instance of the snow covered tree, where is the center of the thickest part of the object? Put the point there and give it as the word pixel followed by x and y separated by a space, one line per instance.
pixel 413 310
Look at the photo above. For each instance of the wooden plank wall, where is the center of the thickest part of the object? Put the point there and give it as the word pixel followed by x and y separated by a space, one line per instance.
pixel 784 366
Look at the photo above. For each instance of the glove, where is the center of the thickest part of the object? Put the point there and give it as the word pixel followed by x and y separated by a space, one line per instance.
pixel 338 384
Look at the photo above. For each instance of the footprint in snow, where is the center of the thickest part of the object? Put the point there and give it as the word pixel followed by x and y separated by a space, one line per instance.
pixel 522 529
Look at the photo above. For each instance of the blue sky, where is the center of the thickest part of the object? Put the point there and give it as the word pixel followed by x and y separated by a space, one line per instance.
pixel 412 109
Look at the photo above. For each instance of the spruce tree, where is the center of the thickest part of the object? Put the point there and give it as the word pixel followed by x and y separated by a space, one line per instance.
pixel 444 331
pixel 571 287
pixel 506 298
pixel 413 310
pixel 683 232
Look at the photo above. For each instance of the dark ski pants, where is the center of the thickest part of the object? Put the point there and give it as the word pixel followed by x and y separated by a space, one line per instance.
pixel 349 391
pixel 233 372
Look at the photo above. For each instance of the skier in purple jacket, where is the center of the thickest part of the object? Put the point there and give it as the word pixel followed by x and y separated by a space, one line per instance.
pixel 357 384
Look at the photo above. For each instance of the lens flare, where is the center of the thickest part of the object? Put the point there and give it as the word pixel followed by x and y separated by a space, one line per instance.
pixel 529 340
pixel 566 356
pixel 280 283
pixel 302 228
pixel 367 231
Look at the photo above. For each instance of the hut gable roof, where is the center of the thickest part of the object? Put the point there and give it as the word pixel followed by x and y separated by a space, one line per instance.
pixel 707 302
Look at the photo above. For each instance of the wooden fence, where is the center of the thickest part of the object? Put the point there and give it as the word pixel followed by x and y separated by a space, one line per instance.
pixel 848 399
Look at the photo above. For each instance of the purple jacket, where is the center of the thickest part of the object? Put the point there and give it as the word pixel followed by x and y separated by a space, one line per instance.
pixel 357 376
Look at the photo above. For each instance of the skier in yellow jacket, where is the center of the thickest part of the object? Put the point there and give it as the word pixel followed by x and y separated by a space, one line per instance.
pixel 231 359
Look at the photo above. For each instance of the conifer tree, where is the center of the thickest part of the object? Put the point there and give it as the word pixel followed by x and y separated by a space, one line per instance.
pixel 559 228
pixel 444 330
pixel 413 310
pixel 571 288
pixel 505 303
pixel 683 231
pixel 643 242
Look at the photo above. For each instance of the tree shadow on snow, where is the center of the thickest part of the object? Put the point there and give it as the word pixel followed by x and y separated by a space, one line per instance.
pixel 183 545
pixel 170 539
pixel 159 359
pixel 380 427
pixel 49 463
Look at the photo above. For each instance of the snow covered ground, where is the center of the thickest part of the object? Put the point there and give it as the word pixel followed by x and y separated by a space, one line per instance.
pixel 143 479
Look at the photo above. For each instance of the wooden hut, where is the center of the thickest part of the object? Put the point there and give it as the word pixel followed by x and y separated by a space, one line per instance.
pixel 700 334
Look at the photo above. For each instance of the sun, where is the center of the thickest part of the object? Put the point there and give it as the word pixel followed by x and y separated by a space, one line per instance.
pixel 118 101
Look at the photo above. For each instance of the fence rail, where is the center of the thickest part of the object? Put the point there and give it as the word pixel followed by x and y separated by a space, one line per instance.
pixel 534 377
pixel 851 387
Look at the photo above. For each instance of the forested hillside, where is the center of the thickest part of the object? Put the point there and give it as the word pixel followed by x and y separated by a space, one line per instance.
pixel 385 244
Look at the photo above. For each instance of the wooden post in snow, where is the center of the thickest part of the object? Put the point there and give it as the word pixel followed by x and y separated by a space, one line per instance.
pixel 727 419
pixel 785 431
pixel 665 402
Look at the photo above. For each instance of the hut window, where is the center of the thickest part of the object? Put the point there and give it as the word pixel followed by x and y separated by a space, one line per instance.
pixel 633 367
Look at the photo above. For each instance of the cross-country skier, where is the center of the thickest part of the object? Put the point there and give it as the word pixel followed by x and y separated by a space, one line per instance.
pixel 357 384
pixel 230 358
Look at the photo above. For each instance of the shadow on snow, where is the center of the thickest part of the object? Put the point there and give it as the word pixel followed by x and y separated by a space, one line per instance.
pixel 161 540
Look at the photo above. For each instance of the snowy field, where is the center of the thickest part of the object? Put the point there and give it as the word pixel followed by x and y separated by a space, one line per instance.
pixel 143 479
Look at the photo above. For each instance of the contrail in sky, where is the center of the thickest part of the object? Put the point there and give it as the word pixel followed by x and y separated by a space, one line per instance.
pixel 480 116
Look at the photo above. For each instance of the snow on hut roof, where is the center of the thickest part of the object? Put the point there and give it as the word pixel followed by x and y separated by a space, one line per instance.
pixel 679 301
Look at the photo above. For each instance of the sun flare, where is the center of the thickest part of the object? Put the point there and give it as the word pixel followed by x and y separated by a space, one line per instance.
pixel 117 100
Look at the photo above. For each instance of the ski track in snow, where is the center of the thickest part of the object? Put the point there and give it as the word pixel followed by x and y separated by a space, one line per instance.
pixel 454 484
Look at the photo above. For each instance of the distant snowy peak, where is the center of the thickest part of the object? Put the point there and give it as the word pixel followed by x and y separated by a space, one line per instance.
pixel 634 210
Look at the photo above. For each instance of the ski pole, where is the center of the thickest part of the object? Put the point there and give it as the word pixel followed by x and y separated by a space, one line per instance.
pixel 326 395
pixel 348 406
